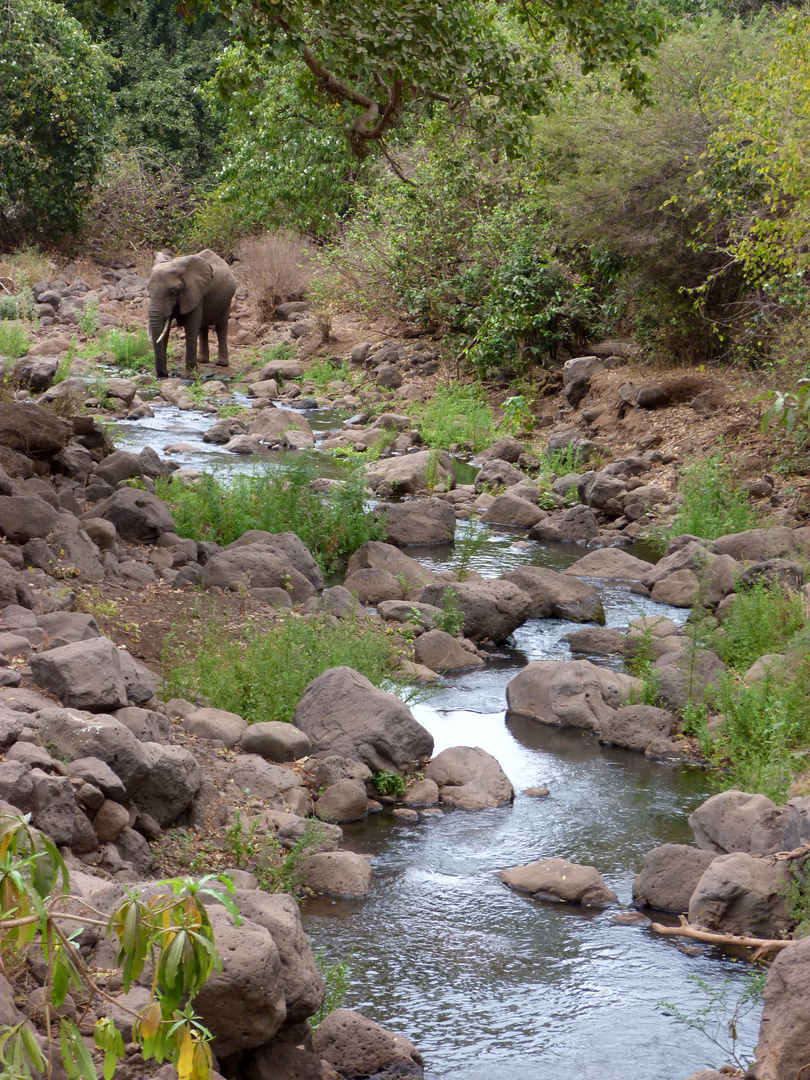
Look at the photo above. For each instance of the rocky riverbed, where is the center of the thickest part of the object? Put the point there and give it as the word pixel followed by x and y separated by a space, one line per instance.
pixel 105 765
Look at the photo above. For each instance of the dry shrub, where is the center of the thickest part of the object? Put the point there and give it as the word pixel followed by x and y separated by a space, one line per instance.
pixel 140 200
pixel 277 268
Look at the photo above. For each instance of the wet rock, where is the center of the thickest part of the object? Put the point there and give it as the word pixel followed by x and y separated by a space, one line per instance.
pixel 738 894
pixel 357 1047
pixel 737 821
pixel 559 879
pixel 635 726
pixel 343 713
pixel 555 596
pixel 469 778
pixel 570 693
pixel 670 875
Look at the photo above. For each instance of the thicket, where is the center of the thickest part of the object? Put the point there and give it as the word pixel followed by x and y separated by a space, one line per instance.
pixel 330 524
pixel 261 673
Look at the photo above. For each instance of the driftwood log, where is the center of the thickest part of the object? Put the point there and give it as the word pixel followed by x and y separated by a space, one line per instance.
pixel 762 945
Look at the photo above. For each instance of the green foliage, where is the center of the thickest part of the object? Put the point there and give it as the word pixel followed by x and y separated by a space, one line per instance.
pixel 53 120
pixel 797 898
pixel 470 540
pixel 450 619
pixel 517 414
pixel 787 409
pixel 172 931
pixel 388 783
pixel 260 674
pixel 87 318
pixel 722 1009
pixel 371 64
pixel 713 505
pixel 762 740
pixel 337 976
pixel 762 620
pixel 322 372
pixel 455 414
pixel 130 349
pixel 14 341
pixel 277 499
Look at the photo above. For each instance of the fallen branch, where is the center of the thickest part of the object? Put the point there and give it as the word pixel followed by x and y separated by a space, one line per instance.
pixel 762 945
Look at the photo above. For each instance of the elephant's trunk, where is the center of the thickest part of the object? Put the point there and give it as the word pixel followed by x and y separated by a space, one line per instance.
pixel 159 333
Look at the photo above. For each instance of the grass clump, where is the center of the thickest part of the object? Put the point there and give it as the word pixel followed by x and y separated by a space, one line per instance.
pixel 322 372
pixel 261 674
pixel 456 414
pixel 14 341
pixel 763 619
pixel 132 351
pixel 713 505
pixel 277 499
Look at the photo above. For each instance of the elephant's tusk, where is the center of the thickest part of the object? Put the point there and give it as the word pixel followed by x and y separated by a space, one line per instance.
pixel 165 330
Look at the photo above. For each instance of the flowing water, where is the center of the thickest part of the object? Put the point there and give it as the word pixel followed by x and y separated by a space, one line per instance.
pixel 489 984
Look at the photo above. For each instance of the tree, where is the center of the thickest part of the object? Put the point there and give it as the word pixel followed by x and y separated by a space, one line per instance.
pixel 493 64
pixel 54 119
pixel 172 930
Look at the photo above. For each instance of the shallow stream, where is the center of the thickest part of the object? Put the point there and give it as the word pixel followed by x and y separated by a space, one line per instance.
pixel 489 984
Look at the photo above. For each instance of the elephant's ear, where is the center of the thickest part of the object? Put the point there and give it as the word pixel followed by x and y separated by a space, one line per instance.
pixel 197 279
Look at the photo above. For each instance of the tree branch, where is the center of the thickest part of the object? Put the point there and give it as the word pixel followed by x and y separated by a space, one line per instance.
pixel 762 945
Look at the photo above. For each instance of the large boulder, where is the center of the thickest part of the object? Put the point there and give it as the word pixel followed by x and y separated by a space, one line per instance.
pixel 272 425
pixel 23 517
pixel 138 516
pixel 670 875
pixel 410 473
pixel 336 873
pixel 568 693
pixel 243 1005
pixel 559 879
pixel 420 521
pixel 286 545
pixel 610 564
pixel 493 608
pixel 555 596
pixel 685 676
pixel 172 781
pixel 635 726
pixel 374 555
pixel 756 545
pixel 254 567
pixel 783 1046
pixel 30 430
pixel 343 713
pixel 442 652
pixel 738 894
pixel 738 821
pixel 469 778
pixel 81 735
pixel 511 509
pixel 83 675
pixel 357 1047
pixel 577 525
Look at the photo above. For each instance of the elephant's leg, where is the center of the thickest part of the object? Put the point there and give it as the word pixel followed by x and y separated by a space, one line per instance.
pixel 192 327
pixel 221 326
pixel 202 353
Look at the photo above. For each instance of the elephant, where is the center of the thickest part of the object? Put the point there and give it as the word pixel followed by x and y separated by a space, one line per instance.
pixel 196 292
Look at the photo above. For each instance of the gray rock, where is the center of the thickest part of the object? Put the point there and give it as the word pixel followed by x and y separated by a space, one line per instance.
pixel 343 713
pixel 375 555
pixel 275 741
pixel 83 675
pixel 555 596
pixel 139 517
pixel 94 771
pixel 254 567
pixel 469 778
pixel 336 873
pixel 217 724
pixel 420 521
pixel 783 1046
pixel 344 801
pixel 493 608
pixel 510 509
pixel 635 726
pixel 357 1047
pixel 408 474
pixel 610 564
pixel 171 782
pixel 738 894
pixel 559 879
pixel 569 693
pixel 686 676
pixel 78 734
pixel 736 821
pixel 670 875
pixel 441 652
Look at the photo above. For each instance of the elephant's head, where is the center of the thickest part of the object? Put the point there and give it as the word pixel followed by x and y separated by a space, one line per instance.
pixel 176 287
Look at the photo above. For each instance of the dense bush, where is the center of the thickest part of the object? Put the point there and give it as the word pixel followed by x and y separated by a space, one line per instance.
pixel 54 119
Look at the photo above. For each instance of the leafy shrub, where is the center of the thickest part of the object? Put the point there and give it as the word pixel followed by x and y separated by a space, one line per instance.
pixel 337 976
pixel 331 525
pixel 388 783
pixel 277 268
pixel 53 120
pixel 261 674
pixel 130 349
pixel 455 414
pixel 713 505
pixel 14 342
pixel 450 618
pixel 762 620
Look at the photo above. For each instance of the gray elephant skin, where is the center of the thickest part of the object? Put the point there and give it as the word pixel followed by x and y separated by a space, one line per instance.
pixel 195 291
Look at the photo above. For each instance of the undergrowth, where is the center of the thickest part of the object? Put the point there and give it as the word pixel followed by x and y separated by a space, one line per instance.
pixel 455 414
pixel 261 674
pixel 276 499
pixel 712 504
pixel 763 619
